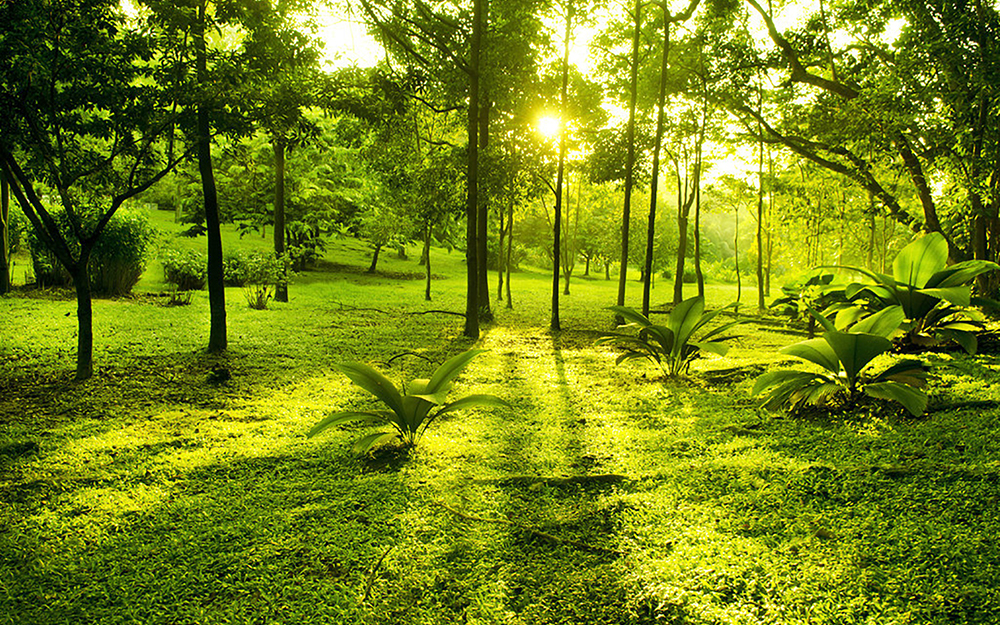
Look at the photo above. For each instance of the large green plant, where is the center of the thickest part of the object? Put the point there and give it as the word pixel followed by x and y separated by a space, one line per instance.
pixel 844 356
pixel 412 408
pixel 670 346
pixel 933 297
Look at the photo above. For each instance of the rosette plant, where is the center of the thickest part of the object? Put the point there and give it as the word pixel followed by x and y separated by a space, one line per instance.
pixel 410 409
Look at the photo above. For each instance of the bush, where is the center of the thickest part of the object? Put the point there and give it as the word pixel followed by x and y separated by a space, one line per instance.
pixel 263 272
pixel 187 271
pixel 116 263
pixel 235 269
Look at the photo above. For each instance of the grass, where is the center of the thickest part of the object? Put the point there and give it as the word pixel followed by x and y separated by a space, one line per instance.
pixel 158 493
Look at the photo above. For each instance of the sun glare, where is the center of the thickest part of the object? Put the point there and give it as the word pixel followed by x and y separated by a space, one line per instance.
pixel 548 126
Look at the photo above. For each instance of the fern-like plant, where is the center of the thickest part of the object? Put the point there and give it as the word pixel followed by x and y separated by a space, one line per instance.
pixel 411 409
pixel 670 346
pixel 844 356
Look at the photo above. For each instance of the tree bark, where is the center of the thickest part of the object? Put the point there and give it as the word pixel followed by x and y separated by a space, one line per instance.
pixel 4 235
pixel 761 304
pixel 280 289
pixel 371 267
pixel 560 170
pixel 510 251
pixel 472 178
pixel 482 219
pixel 699 276
pixel 630 152
pixel 651 227
pixel 217 340
pixel 426 256
pixel 84 318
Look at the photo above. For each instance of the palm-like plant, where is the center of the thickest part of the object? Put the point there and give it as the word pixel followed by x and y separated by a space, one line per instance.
pixel 410 409
pixel 844 357
pixel 934 297
pixel 670 346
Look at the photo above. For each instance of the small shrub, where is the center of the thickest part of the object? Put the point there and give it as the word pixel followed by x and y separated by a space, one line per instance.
pixel 235 270
pixel 263 272
pixel 186 270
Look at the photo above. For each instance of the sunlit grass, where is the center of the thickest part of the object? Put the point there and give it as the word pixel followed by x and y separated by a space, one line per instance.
pixel 157 494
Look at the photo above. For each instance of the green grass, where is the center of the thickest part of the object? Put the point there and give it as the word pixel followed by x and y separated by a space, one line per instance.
pixel 151 494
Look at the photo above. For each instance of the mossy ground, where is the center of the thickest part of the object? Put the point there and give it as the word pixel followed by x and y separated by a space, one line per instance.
pixel 158 493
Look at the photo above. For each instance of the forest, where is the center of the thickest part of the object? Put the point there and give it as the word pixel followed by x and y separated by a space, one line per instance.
pixel 522 311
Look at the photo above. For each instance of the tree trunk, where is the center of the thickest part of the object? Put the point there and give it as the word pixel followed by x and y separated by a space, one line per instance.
pixel 426 256
pixel 560 170
pixel 761 304
pixel 472 178
pixel 280 289
pixel 630 153
pixel 510 251
pixel 482 220
pixel 500 254
pixel 217 340
pixel 699 276
pixel 736 256
pixel 84 318
pixel 651 227
pixel 371 267
pixel 4 235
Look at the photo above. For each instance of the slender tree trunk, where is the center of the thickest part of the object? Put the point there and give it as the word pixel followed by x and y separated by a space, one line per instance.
pixel 472 178
pixel 426 255
pixel 371 267
pixel 217 340
pixel 281 289
pixel 84 317
pixel 699 276
pixel 560 170
pixel 736 252
pixel 630 152
pixel 4 235
pixel 482 220
pixel 510 251
pixel 761 304
pixel 651 227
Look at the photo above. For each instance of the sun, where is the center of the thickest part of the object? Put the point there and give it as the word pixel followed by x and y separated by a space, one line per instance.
pixel 549 126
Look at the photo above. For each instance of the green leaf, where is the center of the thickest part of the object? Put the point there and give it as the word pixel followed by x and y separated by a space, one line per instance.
pixel 630 314
pixel 339 418
pixel 823 321
pixel 719 349
pixel 684 320
pixel 375 383
pixel 365 443
pixel 914 400
pixel 883 323
pixel 856 350
pixel 470 401
pixel 450 369
pixel 816 351
pixel 957 295
pixel 917 263
pixel 961 273
pixel 910 372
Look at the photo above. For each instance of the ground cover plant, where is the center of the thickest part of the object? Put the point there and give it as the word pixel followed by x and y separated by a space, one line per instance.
pixel 162 492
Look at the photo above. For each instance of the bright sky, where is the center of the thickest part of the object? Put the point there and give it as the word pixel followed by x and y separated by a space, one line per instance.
pixel 347 41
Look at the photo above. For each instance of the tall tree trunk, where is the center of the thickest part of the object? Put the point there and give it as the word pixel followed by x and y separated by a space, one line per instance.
pixel 630 152
pixel 660 106
pixel 281 289
pixel 510 250
pixel 761 304
pixel 736 256
pixel 84 317
pixel 472 177
pixel 482 220
pixel 426 256
pixel 4 235
pixel 560 170
pixel 217 340
pixel 699 276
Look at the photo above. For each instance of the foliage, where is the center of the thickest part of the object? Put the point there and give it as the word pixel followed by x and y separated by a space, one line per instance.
pixel 671 346
pixel 263 273
pixel 845 356
pixel 409 409
pixel 932 296
pixel 186 270
pixel 117 261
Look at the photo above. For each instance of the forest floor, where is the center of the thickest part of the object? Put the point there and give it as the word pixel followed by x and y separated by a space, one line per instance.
pixel 179 487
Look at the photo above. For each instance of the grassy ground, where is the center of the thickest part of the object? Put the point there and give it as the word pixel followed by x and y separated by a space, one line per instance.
pixel 157 493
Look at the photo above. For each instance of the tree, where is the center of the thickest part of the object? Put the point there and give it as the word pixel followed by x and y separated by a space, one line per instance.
pixel 85 111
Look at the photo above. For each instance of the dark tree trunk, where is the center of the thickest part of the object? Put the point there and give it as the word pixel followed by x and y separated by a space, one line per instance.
pixel 699 276
pixel 4 235
pixel 280 289
pixel 371 267
pixel 426 256
pixel 217 340
pixel 630 153
pixel 84 318
pixel 557 218
pixel 482 220
pixel 510 251
pixel 651 227
pixel 761 304
pixel 472 177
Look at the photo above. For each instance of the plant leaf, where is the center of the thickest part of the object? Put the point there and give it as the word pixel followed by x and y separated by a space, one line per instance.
pixel 957 295
pixel 883 323
pixel 914 400
pixel 339 418
pixel 363 444
pixel 961 273
pixel 450 370
pixel 683 322
pixel 855 350
pixel 375 383
pixel 816 351
pixel 631 314
pixel 916 264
